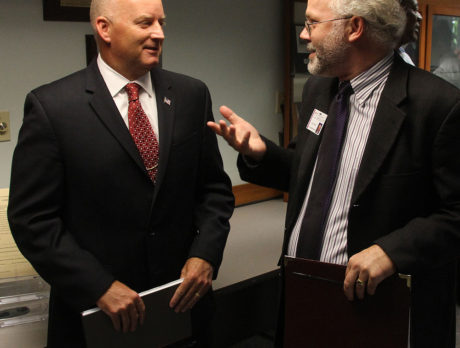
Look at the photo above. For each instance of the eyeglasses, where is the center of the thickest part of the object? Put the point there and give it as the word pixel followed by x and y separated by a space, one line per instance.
pixel 309 24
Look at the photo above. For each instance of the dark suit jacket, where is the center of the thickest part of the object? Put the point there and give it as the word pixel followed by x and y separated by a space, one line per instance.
pixel 406 197
pixel 82 208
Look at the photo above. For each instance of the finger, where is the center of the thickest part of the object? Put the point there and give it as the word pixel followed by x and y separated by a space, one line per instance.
pixel 372 286
pixel 349 284
pixel 226 111
pixel 232 131
pixel 190 304
pixel 231 137
pixel 133 317
pixel 188 300
pixel 229 134
pixel 124 320
pixel 197 296
pixel 184 302
pixel 224 129
pixel 360 286
pixel 115 321
pixel 214 126
pixel 228 114
pixel 140 306
pixel 245 140
pixel 193 292
pixel 179 294
pixel 176 298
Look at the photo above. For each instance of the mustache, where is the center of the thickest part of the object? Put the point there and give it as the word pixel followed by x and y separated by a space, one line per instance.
pixel 310 48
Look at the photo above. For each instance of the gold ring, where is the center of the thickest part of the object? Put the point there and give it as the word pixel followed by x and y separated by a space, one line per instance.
pixel 197 294
pixel 359 282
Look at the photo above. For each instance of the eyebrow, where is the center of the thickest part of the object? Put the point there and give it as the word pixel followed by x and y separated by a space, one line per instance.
pixel 310 18
pixel 148 17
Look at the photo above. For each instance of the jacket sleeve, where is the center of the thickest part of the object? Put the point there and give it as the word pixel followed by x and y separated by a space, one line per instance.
pixel 273 170
pixel 214 198
pixel 36 205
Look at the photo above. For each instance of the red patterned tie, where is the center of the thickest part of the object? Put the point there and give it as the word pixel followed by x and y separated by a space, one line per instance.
pixel 141 131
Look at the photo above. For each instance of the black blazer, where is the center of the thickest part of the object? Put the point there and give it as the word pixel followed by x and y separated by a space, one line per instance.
pixel 406 197
pixel 82 208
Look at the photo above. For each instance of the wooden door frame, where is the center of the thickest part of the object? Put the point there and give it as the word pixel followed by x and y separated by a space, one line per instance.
pixel 435 10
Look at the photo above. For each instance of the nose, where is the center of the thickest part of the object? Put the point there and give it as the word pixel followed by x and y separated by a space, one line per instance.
pixel 157 31
pixel 304 35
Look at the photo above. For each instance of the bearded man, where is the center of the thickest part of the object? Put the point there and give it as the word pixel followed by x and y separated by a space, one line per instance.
pixel 377 188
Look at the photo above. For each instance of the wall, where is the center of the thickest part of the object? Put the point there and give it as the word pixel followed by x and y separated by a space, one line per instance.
pixel 234 46
pixel 33 52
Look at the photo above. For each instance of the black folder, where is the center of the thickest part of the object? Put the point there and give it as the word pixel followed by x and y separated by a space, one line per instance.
pixel 318 315
pixel 162 326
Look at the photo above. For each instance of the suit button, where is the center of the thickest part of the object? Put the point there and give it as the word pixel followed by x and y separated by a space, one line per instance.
pixel 152 234
pixel 355 205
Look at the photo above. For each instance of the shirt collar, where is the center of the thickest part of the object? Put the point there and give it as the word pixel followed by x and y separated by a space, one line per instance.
pixel 116 82
pixel 366 82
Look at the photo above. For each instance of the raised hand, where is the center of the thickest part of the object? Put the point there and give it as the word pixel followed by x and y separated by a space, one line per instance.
pixel 240 134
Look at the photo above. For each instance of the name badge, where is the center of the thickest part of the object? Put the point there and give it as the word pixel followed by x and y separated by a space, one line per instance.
pixel 316 122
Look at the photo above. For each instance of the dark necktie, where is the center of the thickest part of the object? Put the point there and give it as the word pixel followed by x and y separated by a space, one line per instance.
pixel 322 189
pixel 142 132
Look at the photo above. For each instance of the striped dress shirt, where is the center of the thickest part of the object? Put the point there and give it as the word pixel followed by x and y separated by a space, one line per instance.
pixel 367 87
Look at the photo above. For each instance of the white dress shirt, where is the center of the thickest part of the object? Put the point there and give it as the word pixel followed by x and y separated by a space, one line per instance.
pixel 116 84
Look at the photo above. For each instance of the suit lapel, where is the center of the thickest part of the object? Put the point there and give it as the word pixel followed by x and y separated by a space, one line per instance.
pixel 105 108
pixel 385 128
pixel 310 147
pixel 166 103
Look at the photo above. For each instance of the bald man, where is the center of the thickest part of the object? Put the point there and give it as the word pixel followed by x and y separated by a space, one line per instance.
pixel 117 184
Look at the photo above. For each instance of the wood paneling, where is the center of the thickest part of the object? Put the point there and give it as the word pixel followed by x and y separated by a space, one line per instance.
pixel 250 193
pixel 434 11
pixel 426 9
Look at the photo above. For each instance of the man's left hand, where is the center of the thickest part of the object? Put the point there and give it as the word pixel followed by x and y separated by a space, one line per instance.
pixel 197 274
pixel 365 270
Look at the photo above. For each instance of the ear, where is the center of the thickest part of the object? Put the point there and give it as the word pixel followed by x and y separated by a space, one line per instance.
pixel 103 28
pixel 355 29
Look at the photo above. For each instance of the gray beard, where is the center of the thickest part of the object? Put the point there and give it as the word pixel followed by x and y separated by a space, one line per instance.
pixel 330 55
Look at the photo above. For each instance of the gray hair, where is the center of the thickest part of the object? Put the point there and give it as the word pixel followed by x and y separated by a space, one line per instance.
pixel 385 19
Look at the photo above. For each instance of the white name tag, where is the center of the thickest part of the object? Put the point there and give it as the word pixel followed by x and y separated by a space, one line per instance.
pixel 316 122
